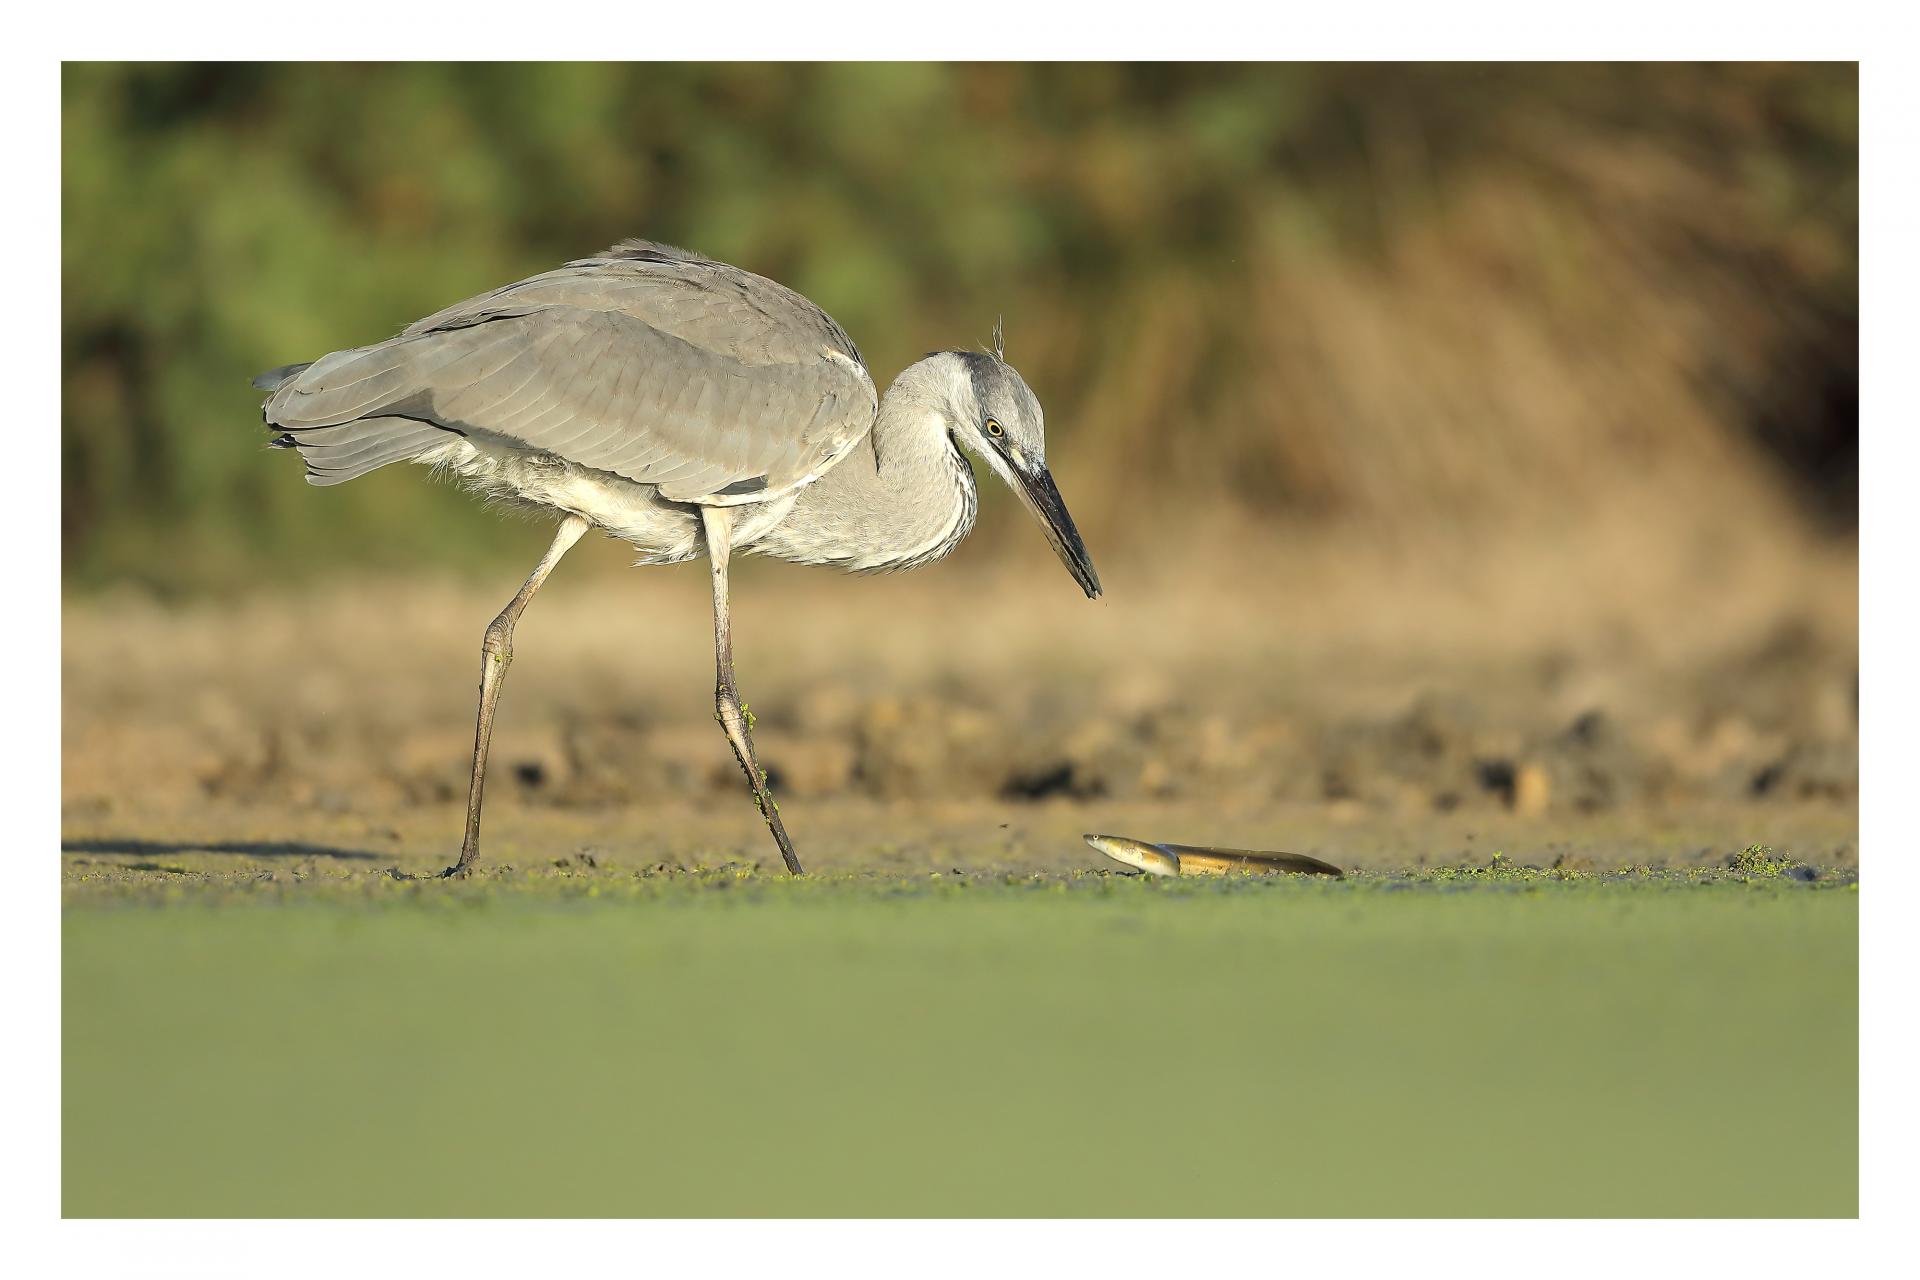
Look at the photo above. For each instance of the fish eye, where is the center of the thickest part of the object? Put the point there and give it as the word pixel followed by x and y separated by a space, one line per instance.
pixel 994 429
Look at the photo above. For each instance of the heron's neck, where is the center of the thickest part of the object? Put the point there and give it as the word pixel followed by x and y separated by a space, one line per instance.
pixel 902 497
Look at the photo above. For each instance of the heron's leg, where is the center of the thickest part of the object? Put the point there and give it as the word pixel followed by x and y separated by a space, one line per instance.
pixel 496 652
pixel 726 695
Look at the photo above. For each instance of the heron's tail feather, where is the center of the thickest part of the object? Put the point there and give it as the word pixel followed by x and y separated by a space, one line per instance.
pixel 337 454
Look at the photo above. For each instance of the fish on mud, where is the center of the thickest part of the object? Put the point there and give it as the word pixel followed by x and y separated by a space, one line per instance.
pixel 1192 860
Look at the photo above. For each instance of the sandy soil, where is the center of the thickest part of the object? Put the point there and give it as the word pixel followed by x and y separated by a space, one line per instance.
pixel 976 715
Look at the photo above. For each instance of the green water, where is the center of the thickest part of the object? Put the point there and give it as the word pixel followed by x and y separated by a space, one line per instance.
pixel 857 1050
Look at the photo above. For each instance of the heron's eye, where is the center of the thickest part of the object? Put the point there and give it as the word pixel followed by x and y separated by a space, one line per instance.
pixel 994 429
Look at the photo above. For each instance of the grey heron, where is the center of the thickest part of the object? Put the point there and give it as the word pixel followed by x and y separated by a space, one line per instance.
pixel 684 406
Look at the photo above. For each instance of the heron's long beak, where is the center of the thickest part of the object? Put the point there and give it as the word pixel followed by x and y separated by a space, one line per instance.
pixel 1038 491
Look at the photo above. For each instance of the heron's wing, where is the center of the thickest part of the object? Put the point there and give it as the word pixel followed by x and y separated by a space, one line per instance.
pixel 712 383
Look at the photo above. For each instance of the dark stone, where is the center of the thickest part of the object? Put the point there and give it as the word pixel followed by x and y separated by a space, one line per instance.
pixel 1498 777
pixel 1061 779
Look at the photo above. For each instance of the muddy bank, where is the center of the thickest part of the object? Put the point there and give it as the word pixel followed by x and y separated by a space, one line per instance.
pixel 365 716
pixel 897 711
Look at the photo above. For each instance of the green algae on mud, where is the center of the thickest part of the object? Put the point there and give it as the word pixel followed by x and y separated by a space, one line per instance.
pixel 1505 1042
pixel 130 873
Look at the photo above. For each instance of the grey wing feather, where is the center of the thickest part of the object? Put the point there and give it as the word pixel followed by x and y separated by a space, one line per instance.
pixel 664 368
pixel 274 377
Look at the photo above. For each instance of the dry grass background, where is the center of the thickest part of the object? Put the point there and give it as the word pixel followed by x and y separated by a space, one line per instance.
pixel 1398 301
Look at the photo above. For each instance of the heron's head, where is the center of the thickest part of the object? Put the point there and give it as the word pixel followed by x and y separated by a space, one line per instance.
pixel 997 416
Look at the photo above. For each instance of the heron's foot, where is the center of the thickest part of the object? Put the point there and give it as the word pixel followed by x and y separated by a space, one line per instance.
pixel 458 871
pixel 770 811
pixel 787 853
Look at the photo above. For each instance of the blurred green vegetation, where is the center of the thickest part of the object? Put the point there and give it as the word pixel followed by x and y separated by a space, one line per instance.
pixel 732 1045
pixel 1408 294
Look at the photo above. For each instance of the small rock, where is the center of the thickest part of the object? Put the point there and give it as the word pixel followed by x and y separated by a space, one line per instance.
pixel 1532 791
